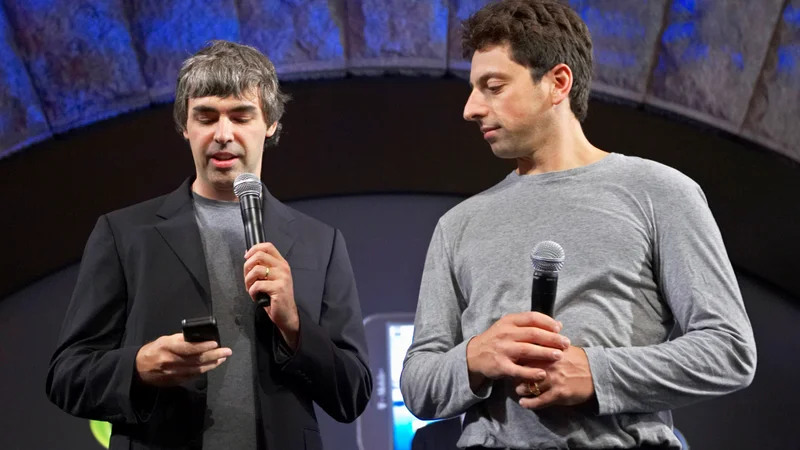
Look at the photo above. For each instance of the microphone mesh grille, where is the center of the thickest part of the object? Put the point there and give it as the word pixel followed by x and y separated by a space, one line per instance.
pixel 247 184
pixel 547 256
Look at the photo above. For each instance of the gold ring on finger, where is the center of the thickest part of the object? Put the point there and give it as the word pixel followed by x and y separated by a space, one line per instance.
pixel 266 273
pixel 534 390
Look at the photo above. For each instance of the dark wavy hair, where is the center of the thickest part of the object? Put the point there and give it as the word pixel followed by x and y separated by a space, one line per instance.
pixel 541 34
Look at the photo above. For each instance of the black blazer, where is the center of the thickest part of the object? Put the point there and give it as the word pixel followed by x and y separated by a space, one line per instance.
pixel 143 270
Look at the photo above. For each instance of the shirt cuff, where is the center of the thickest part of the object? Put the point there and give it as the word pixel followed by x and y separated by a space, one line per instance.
pixel 602 380
pixel 486 389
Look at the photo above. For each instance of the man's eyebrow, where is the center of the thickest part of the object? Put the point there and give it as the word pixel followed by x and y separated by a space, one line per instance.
pixel 237 109
pixel 244 109
pixel 204 109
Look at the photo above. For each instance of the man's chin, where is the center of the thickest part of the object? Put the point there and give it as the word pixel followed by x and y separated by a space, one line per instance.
pixel 503 152
pixel 223 178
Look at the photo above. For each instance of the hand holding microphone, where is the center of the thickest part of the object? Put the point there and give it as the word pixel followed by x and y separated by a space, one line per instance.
pixel 267 275
pixel 247 188
pixel 520 344
pixel 568 381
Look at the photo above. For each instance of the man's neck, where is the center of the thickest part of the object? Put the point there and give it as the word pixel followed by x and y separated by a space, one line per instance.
pixel 203 190
pixel 564 151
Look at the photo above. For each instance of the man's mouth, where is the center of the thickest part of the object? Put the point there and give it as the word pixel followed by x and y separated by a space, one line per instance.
pixel 489 132
pixel 223 160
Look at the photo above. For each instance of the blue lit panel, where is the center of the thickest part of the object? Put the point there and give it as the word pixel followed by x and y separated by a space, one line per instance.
pixel 80 58
pixel 624 34
pixel 460 11
pixel 22 121
pixel 710 57
pixel 302 38
pixel 397 34
pixel 775 111
pixel 71 63
pixel 167 32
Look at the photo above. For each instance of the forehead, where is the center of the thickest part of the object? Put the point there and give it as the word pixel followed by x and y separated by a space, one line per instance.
pixel 494 60
pixel 229 102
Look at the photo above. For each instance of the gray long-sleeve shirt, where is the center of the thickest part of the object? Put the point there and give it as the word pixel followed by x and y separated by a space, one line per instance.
pixel 643 255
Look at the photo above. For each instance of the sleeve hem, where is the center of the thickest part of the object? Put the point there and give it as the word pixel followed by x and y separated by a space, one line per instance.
pixel 601 378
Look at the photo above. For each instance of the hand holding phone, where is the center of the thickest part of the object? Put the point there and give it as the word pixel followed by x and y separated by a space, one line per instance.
pixel 174 359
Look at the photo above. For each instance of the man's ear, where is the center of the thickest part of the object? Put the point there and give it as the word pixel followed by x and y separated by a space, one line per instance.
pixel 271 129
pixel 561 75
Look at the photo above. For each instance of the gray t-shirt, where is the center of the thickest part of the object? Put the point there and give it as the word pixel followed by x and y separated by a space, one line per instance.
pixel 231 411
pixel 643 255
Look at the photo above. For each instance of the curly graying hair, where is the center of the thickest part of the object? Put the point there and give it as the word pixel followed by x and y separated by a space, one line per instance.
pixel 223 69
pixel 541 35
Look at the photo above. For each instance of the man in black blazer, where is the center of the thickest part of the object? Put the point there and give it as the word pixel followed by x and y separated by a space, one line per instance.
pixel 121 356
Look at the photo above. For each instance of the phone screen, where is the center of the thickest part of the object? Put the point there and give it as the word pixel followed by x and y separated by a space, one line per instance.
pixel 387 424
pixel 404 424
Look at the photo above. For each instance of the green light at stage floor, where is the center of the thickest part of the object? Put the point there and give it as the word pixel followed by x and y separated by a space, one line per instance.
pixel 101 431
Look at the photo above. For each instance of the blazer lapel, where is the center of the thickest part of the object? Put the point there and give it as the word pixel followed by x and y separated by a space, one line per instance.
pixel 277 220
pixel 179 230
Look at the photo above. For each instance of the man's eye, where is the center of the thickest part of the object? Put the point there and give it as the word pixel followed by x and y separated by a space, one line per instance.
pixel 241 119
pixel 495 89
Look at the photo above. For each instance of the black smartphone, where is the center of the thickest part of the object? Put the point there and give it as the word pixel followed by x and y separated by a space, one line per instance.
pixel 200 329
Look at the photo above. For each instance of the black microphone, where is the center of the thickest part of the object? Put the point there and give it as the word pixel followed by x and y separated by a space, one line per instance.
pixel 247 188
pixel 547 258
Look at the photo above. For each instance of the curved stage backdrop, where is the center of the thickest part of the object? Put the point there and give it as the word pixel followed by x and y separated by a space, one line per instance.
pixel 732 64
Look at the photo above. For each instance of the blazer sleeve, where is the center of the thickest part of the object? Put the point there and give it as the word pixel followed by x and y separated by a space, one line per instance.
pixel 331 357
pixel 90 375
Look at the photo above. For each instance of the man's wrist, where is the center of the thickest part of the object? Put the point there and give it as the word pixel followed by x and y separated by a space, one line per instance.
pixel 291 334
pixel 476 379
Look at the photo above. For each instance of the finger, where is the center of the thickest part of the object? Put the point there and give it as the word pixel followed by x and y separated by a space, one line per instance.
pixel 517 371
pixel 258 273
pixel 216 354
pixel 541 337
pixel 535 319
pixel 262 259
pixel 180 347
pixel 187 372
pixel 266 247
pixel 547 398
pixel 522 388
pixel 267 286
pixel 201 359
pixel 522 351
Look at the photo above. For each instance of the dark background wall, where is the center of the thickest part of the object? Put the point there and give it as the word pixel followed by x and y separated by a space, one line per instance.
pixel 383 135
pixel 387 236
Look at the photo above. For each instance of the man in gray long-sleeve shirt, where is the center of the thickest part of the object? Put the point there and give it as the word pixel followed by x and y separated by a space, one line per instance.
pixel 644 255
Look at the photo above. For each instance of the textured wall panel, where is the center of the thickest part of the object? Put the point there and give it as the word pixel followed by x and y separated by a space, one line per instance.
pixel 22 121
pixel 624 36
pixel 302 37
pixel 167 32
pixel 710 58
pixel 396 35
pixel 460 10
pixel 729 63
pixel 774 115
pixel 80 58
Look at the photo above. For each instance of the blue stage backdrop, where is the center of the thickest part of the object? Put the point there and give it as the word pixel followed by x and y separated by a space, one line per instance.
pixel 729 64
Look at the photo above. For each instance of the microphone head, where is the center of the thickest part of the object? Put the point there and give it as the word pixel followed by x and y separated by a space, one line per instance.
pixel 547 256
pixel 247 184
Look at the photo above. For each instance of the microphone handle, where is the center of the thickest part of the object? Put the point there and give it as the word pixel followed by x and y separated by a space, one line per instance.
pixel 254 232
pixel 543 292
